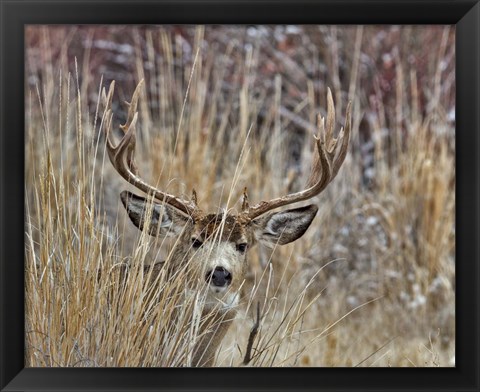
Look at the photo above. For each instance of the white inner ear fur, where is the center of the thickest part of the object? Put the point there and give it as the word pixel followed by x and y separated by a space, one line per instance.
pixel 285 226
pixel 158 212
pixel 171 222
pixel 165 220
pixel 278 222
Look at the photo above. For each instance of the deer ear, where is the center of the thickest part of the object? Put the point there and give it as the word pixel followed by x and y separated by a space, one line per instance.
pixel 165 221
pixel 285 226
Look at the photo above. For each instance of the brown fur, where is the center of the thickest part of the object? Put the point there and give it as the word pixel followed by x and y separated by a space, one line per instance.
pixel 231 230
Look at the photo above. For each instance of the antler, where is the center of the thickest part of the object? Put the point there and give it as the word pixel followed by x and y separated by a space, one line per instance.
pixel 325 166
pixel 123 155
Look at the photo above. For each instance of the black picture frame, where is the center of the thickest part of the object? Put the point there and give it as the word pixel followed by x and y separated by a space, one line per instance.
pixel 464 14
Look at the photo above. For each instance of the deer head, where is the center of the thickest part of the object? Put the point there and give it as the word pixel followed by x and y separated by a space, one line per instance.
pixel 219 242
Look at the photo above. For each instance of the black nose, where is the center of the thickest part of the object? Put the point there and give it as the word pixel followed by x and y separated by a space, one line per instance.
pixel 220 277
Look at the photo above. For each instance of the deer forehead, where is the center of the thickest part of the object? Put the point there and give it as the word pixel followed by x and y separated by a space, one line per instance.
pixel 220 227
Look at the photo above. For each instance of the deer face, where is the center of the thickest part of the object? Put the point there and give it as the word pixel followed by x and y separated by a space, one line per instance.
pixel 217 243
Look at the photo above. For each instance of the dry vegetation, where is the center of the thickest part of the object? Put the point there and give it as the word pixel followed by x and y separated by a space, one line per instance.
pixel 372 282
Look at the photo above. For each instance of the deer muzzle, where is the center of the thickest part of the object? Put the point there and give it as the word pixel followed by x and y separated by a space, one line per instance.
pixel 219 277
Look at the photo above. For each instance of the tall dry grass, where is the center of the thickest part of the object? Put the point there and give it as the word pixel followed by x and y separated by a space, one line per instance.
pixel 372 281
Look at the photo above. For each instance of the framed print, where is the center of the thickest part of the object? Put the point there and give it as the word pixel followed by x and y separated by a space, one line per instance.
pixel 239 196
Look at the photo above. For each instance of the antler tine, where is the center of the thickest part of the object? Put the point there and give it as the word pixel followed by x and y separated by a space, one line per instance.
pixel 344 136
pixel 330 115
pixel 325 166
pixel 123 157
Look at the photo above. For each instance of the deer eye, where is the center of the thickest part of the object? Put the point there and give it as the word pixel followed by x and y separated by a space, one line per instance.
pixel 196 243
pixel 242 247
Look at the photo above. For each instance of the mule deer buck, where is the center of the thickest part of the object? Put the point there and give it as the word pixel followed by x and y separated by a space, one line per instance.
pixel 219 242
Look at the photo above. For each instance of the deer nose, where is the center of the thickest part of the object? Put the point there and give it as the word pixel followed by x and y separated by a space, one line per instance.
pixel 219 277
